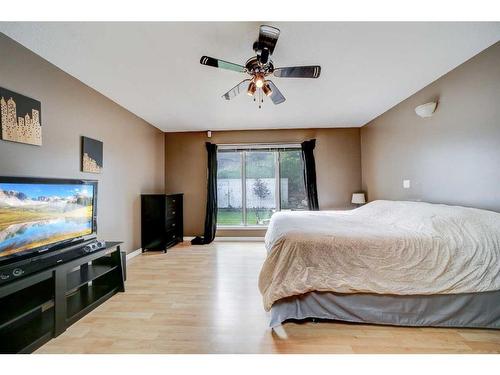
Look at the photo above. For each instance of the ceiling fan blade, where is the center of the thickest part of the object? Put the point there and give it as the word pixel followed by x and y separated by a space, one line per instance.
pixel 216 63
pixel 236 90
pixel 268 37
pixel 312 71
pixel 276 96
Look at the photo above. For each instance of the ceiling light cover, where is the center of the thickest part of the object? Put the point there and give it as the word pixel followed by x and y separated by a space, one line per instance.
pixel 259 80
pixel 267 89
pixel 251 88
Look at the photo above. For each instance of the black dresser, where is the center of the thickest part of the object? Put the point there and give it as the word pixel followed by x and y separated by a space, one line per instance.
pixel 161 221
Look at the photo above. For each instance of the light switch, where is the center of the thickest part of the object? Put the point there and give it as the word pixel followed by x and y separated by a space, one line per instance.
pixel 406 184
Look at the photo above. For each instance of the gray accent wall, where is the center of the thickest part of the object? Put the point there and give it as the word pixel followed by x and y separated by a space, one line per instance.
pixel 452 157
pixel 133 149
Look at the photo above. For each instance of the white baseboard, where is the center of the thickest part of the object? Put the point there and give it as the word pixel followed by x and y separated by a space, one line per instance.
pixel 133 254
pixel 239 239
pixel 231 239
pixel 137 252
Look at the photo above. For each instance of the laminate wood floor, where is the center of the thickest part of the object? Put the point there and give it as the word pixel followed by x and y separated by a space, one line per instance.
pixel 205 299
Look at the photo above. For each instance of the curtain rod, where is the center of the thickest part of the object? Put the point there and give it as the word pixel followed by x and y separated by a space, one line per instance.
pixel 259 145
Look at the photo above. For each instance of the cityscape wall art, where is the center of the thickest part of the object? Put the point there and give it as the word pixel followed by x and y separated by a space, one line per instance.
pixel 91 155
pixel 21 118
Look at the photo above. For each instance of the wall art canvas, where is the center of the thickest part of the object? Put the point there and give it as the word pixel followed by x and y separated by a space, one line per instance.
pixel 91 155
pixel 21 118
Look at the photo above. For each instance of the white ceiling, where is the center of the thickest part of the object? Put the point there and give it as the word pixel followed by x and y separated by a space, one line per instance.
pixel 153 69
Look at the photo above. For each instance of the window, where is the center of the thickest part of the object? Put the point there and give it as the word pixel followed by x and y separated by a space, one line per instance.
pixel 229 192
pixel 254 182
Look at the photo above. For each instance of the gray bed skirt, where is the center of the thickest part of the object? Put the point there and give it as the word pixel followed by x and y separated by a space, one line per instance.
pixel 478 310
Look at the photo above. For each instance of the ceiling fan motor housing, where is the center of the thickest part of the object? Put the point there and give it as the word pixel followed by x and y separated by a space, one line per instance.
pixel 262 51
pixel 253 65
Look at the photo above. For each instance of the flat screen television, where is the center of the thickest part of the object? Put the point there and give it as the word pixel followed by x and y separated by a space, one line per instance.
pixel 39 215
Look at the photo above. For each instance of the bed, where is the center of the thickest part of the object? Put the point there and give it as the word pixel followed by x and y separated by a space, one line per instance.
pixel 387 262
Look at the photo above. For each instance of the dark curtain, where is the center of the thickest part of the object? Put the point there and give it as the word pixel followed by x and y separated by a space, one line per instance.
pixel 211 211
pixel 310 174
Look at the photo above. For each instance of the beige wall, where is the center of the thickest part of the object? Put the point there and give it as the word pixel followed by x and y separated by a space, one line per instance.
pixel 452 157
pixel 337 154
pixel 133 149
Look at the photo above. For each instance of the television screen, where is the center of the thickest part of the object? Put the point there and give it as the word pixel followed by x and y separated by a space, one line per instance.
pixel 35 215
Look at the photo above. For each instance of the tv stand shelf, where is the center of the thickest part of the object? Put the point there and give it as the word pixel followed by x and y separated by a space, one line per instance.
pixel 19 305
pixel 83 301
pixel 84 275
pixel 41 306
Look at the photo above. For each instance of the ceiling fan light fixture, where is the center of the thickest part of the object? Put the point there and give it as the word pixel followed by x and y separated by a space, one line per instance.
pixel 251 88
pixel 267 89
pixel 259 80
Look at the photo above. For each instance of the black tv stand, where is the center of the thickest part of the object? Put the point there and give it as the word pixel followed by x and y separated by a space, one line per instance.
pixel 40 306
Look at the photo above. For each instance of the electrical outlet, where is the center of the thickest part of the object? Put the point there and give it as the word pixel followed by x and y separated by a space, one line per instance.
pixel 406 184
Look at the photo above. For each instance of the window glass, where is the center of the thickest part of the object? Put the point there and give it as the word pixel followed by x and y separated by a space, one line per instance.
pixel 229 197
pixel 247 190
pixel 292 187
pixel 260 187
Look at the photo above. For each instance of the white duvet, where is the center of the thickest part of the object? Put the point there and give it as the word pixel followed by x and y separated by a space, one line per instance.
pixel 385 247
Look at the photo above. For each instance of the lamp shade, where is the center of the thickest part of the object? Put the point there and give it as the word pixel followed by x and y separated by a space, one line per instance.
pixel 358 198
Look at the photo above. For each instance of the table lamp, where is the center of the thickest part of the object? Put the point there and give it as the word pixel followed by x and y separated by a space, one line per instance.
pixel 358 198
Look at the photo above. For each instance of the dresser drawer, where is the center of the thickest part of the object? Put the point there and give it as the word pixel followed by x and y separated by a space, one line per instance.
pixel 172 212
pixel 173 199
pixel 171 224
pixel 173 206
pixel 171 236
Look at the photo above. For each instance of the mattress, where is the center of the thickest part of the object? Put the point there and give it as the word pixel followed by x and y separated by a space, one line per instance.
pixel 475 310
pixel 384 247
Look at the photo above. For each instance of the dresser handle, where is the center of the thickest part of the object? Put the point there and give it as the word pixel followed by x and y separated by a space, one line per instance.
pixel 173 224
pixel 173 212
pixel 173 200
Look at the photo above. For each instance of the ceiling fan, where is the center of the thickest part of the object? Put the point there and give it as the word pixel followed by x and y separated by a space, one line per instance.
pixel 260 67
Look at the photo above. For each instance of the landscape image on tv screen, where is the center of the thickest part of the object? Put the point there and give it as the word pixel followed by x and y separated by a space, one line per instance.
pixel 35 215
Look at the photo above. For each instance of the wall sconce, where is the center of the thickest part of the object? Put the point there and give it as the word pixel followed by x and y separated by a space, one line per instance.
pixel 426 110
